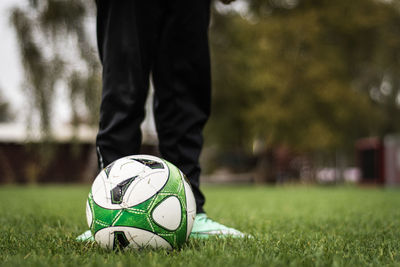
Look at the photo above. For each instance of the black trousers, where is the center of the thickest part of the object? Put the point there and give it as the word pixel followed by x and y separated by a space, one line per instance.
pixel 167 39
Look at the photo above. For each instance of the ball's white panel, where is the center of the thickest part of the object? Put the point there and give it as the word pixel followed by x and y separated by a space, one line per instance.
pixel 190 201
pixel 157 179
pixel 137 238
pixel 168 213
pixel 145 187
pixel 125 168
pixel 98 184
pixel 101 192
pixel 159 242
pixel 190 207
pixel 89 215
pixel 105 237
pixel 190 220
pixel 146 182
pixel 140 191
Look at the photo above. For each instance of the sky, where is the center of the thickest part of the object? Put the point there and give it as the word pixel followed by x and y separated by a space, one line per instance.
pixel 12 75
pixel 10 66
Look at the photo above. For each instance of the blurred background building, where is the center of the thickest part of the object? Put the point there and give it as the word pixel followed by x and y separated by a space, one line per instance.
pixel 303 91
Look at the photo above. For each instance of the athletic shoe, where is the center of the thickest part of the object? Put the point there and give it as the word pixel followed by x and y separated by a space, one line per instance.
pixel 85 237
pixel 204 227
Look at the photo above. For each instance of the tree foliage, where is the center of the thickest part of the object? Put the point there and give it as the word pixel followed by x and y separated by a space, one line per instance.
pixel 56 51
pixel 5 110
pixel 308 74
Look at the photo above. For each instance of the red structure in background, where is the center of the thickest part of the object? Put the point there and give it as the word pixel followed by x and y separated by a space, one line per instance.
pixel 379 160
pixel 67 162
pixel 392 160
pixel 370 159
pixel 69 157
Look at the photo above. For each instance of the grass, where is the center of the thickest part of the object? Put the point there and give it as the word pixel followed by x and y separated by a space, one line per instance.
pixel 297 226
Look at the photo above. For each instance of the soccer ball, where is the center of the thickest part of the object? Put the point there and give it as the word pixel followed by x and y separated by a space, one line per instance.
pixel 140 201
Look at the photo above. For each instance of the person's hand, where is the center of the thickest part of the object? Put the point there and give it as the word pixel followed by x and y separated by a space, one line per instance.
pixel 227 1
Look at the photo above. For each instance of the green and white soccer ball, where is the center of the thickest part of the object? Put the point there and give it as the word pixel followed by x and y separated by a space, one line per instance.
pixel 141 201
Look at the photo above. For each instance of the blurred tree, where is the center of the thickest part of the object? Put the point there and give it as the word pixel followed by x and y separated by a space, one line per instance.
pixel 56 51
pixel 307 74
pixel 311 75
pixel 5 112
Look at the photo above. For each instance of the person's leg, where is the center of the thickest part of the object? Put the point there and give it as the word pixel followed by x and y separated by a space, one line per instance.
pixel 126 32
pixel 182 82
pixel 126 37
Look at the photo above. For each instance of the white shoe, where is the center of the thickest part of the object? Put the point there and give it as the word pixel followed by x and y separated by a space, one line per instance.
pixel 204 227
pixel 85 237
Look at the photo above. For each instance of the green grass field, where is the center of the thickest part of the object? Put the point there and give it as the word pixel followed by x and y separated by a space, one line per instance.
pixel 298 226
